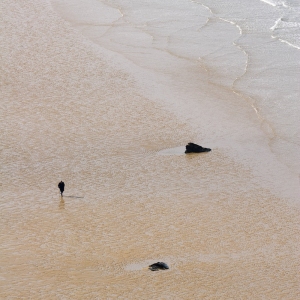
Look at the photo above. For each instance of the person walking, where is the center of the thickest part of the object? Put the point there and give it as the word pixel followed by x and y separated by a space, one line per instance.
pixel 61 186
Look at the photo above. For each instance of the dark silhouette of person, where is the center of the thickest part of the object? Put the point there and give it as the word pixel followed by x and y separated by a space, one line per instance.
pixel 61 186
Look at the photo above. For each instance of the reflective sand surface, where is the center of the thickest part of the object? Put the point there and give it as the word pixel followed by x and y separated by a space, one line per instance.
pixel 70 113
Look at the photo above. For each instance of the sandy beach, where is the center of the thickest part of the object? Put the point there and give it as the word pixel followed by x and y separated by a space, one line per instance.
pixel 112 124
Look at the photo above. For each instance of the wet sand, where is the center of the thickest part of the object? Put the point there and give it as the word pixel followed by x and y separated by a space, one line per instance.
pixel 70 113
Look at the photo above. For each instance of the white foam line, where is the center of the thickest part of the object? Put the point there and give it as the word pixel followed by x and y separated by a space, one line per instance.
pixel 286 42
pixel 207 8
pixel 239 47
pixel 231 22
pixel 245 69
pixel 290 44
pixel 275 25
pixel 193 1
pixel 268 2
pixel 282 3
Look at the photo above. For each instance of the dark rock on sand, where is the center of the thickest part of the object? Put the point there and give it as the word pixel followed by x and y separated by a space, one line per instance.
pixel 194 148
pixel 158 266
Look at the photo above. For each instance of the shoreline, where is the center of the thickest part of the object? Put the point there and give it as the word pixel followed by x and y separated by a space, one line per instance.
pixel 207 106
pixel 74 114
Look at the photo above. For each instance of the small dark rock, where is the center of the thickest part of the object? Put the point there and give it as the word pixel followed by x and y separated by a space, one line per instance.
pixel 158 266
pixel 194 148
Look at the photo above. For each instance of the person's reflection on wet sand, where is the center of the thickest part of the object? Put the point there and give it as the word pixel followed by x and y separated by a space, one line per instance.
pixel 62 203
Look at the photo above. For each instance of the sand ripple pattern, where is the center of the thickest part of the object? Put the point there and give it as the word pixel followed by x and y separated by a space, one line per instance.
pixel 71 114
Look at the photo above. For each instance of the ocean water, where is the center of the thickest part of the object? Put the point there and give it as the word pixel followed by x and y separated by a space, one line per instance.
pixel 224 52
pixel 104 95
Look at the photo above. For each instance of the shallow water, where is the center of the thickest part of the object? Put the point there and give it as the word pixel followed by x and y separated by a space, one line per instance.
pixel 211 63
pixel 80 106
